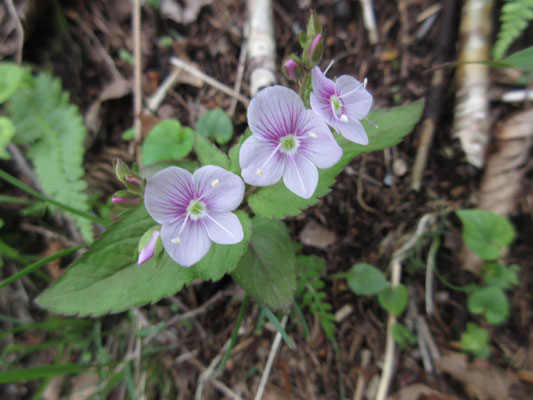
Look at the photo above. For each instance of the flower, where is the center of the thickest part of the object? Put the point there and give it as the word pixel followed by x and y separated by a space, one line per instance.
pixel 287 141
pixel 148 250
pixel 195 209
pixel 341 104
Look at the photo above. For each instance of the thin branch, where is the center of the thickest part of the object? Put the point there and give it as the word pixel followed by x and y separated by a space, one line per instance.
pixel 207 79
pixel 270 361
pixel 240 72
pixel 19 30
pixel 137 70
pixel 369 19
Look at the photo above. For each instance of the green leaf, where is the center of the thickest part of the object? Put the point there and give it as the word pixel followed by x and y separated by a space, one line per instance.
pixel 475 340
pixel 272 318
pixel 107 278
pixel 167 141
pixel 234 152
pixel 522 59
pixel 215 124
pixel 491 302
pixel 485 232
pixel 12 77
pixel 403 336
pixel 394 299
pixel 209 153
pixel 366 279
pixel 267 271
pixel 277 201
pixel 496 274
pixel 223 259
pixel 7 131
pixel 42 371
pixel 54 130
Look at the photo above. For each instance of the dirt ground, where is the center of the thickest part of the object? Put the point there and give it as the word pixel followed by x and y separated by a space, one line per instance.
pixel 368 213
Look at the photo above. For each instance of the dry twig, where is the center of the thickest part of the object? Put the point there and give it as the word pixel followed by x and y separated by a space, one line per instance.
pixel 19 30
pixel 137 70
pixel 369 19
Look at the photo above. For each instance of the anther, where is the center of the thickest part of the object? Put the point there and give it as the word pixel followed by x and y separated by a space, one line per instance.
pixel 312 134
pixel 365 82
pixel 344 118
pixel 215 183
pixel 176 240
pixel 259 172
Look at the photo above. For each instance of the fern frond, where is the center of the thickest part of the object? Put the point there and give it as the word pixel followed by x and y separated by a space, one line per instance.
pixel 54 130
pixel 515 16
pixel 311 292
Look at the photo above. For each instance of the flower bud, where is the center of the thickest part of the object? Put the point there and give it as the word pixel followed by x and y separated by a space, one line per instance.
pixel 126 199
pixel 314 27
pixel 129 178
pixel 313 50
pixel 121 169
pixel 149 245
pixel 292 68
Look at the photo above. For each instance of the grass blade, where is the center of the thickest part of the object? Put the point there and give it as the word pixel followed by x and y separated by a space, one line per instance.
pixel 272 318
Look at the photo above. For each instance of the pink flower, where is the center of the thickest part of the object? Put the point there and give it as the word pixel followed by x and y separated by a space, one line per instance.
pixel 288 141
pixel 148 249
pixel 341 104
pixel 194 210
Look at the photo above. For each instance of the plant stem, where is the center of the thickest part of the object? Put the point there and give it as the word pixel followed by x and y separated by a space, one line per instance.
pixel 303 86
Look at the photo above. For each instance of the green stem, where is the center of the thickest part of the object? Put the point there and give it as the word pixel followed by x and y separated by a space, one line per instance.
pixel 303 86
pixel 43 261
pixel 21 185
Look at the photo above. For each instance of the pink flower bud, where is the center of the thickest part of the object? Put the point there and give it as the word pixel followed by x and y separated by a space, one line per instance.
pixel 133 179
pixel 149 248
pixel 124 200
pixel 316 49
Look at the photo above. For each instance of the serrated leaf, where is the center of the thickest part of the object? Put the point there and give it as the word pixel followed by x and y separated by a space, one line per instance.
pixel 365 279
pixel 485 232
pixel 209 154
pixel 499 275
pixel 491 302
pixel 107 279
pixel 167 140
pixel 277 201
pixel 267 271
pixel 475 340
pixel 215 124
pixel 12 76
pixel 7 132
pixel 223 259
pixel 522 59
pixel 54 130
pixel 394 300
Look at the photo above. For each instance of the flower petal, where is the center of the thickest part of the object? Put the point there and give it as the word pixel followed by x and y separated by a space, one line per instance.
pixel 223 228
pixel 193 243
pixel 274 112
pixel 221 190
pixel 168 194
pixel 323 87
pixel 357 100
pixel 353 131
pixel 317 142
pixel 301 176
pixel 148 250
pixel 255 155
pixel 322 107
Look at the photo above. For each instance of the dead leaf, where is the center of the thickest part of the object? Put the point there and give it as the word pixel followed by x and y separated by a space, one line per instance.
pixel 185 14
pixel 315 235
pixel 116 89
pixel 419 391
pixel 481 379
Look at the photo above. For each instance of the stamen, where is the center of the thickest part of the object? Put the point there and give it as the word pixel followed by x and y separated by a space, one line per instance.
pixel 372 123
pixel 361 85
pixel 328 67
pixel 216 222
pixel 260 171
pixel 312 134
pixel 344 118
pixel 176 240
pixel 215 183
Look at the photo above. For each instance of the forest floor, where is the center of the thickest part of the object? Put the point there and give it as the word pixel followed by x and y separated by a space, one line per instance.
pixel 367 215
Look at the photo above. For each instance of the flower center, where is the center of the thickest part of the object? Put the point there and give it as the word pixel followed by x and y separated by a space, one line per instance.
pixel 196 209
pixel 289 144
pixel 336 104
